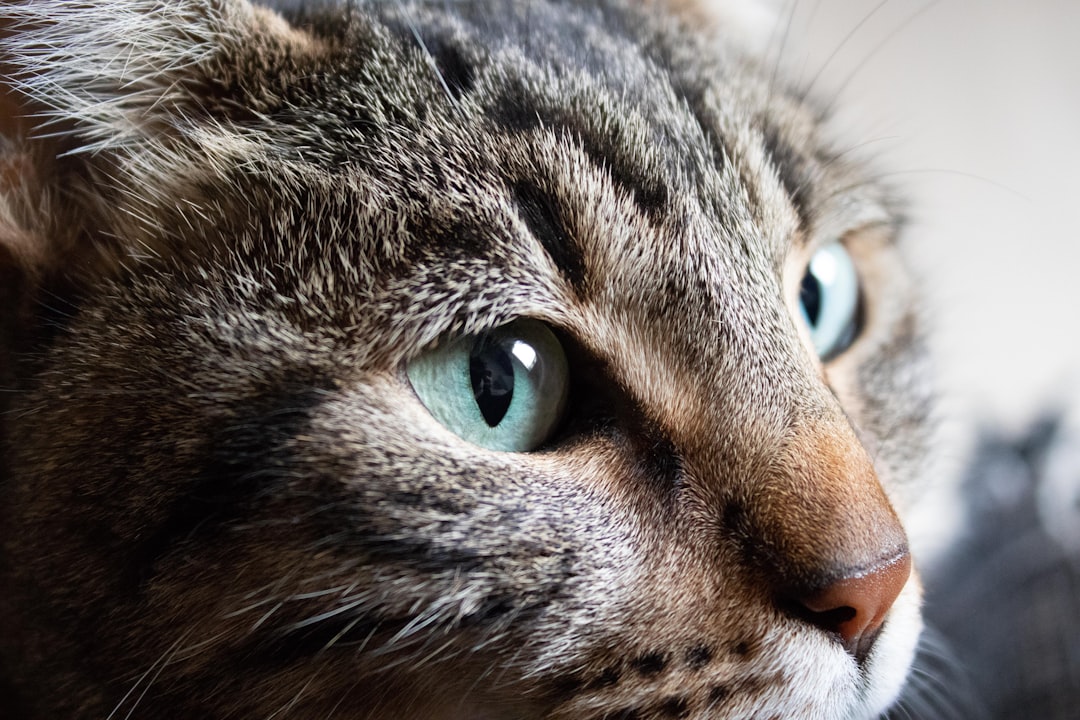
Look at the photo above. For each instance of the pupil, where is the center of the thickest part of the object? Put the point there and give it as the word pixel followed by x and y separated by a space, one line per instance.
pixel 491 370
pixel 810 297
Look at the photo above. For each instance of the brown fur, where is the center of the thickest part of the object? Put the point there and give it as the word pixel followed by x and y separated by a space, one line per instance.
pixel 221 495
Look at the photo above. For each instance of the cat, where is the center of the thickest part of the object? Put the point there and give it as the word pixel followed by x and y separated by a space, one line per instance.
pixel 505 359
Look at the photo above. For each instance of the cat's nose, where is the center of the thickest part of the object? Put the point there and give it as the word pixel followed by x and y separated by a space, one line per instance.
pixel 853 607
pixel 824 531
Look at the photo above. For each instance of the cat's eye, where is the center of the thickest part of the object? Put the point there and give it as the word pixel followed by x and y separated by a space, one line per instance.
pixel 829 300
pixel 502 390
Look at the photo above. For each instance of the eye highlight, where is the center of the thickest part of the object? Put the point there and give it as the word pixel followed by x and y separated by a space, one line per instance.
pixel 502 390
pixel 829 300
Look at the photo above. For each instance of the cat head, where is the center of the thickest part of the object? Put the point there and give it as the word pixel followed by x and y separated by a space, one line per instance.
pixel 426 360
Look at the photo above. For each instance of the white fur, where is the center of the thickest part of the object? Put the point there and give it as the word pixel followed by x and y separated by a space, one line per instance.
pixel 113 70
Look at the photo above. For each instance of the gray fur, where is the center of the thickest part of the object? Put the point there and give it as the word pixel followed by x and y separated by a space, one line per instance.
pixel 221 498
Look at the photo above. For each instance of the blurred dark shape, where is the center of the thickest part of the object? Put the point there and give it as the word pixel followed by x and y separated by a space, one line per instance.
pixel 1004 605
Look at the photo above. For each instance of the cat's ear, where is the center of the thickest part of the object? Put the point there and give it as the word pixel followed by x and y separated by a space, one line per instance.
pixel 105 106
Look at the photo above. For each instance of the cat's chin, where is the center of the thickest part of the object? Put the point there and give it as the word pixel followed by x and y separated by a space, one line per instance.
pixel 827 683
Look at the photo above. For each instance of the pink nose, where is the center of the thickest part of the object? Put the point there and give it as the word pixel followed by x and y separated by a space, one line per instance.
pixel 854 607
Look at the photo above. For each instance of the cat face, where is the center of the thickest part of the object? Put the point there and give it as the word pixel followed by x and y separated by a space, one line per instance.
pixel 502 361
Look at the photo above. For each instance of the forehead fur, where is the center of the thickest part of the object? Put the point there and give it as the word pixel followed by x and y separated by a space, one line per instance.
pixel 407 101
pixel 602 167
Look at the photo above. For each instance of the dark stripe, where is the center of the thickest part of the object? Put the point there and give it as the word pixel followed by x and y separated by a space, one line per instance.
pixel 792 168
pixel 245 461
pixel 650 664
pixel 650 194
pixel 691 92
pixel 519 112
pixel 456 70
pixel 540 212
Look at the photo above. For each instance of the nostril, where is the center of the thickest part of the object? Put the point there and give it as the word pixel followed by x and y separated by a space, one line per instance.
pixel 835 620
pixel 853 607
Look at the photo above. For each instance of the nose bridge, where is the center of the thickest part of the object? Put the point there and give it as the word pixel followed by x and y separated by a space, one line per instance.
pixel 773 469
pixel 776 462
pixel 807 492
pixel 772 457
pixel 820 508
pixel 776 472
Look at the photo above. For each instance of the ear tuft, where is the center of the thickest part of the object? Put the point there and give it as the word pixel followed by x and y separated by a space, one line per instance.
pixel 100 118
pixel 107 72
pixel 107 107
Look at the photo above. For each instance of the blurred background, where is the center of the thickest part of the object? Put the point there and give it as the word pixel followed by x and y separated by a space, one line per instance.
pixel 973 107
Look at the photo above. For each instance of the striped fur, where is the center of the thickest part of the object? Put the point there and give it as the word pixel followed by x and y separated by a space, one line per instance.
pixel 228 234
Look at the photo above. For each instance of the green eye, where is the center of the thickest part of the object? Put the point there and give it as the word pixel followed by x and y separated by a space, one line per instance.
pixel 502 390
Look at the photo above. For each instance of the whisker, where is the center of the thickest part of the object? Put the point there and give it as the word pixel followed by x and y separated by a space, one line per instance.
pixel 842 44
pixel 156 668
pixel 295 699
pixel 958 173
pixel 266 616
pixel 346 630
pixel 344 695
pixel 430 59
pixel 777 63
pixel 938 688
pixel 839 90
pixel 352 604
pixel 871 180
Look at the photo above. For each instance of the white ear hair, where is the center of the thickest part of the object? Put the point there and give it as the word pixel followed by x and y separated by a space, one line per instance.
pixel 116 86
pixel 107 68
pixel 114 72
